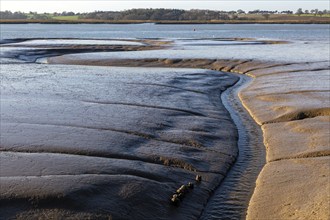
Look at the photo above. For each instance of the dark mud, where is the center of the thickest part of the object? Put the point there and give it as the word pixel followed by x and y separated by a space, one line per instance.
pixel 111 142
pixel 32 55
pixel 117 136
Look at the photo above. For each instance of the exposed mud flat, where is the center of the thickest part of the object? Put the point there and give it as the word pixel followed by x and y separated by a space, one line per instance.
pixel 290 101
pixel 176 127
pixel 111 141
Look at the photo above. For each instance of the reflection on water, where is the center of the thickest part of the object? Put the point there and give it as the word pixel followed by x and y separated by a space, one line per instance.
pixel 294 52
pixel 212 42
pixel 54 42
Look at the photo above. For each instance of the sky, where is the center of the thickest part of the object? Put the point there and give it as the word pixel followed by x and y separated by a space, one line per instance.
pixel 110 5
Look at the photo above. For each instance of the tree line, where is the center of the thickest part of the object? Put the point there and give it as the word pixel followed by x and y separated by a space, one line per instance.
pixel 181 15
pixel 159 14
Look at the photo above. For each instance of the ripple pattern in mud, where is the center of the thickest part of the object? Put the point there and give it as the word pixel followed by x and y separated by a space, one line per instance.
pixel 103 139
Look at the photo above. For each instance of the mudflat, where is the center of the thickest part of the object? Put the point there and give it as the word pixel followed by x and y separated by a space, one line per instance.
pixel 290 101
pixel 99 142
pixel 130 137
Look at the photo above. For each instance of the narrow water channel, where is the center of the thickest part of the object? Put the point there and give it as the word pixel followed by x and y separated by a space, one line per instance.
pixel 230 200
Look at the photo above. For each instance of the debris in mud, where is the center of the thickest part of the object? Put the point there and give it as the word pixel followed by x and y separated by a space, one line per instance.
pixel 182 189
pixel 190 185
pixel 198 178
pixel 175 200
pixel 180 193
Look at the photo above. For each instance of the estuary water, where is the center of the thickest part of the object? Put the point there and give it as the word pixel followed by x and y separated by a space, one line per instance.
pixel 306 43
pixel 302 32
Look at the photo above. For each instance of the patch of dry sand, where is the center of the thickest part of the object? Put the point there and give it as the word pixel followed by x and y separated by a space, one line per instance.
pixel 292 189
pixel 303 138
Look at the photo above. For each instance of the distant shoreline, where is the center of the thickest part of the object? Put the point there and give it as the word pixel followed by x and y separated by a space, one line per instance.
pixel 321 21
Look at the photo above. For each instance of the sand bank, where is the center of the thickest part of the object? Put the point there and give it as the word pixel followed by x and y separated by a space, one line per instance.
pixel 290 101
pixel 293 111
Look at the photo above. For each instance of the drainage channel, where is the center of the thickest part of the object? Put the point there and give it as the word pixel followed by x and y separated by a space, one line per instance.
pixel 230 200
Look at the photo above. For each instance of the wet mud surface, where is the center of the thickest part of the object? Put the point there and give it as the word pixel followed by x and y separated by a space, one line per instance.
pixel 111 141
pixel 88 140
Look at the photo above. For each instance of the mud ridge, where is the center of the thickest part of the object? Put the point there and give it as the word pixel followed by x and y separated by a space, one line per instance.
pixel 301 115
pixel 146 106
